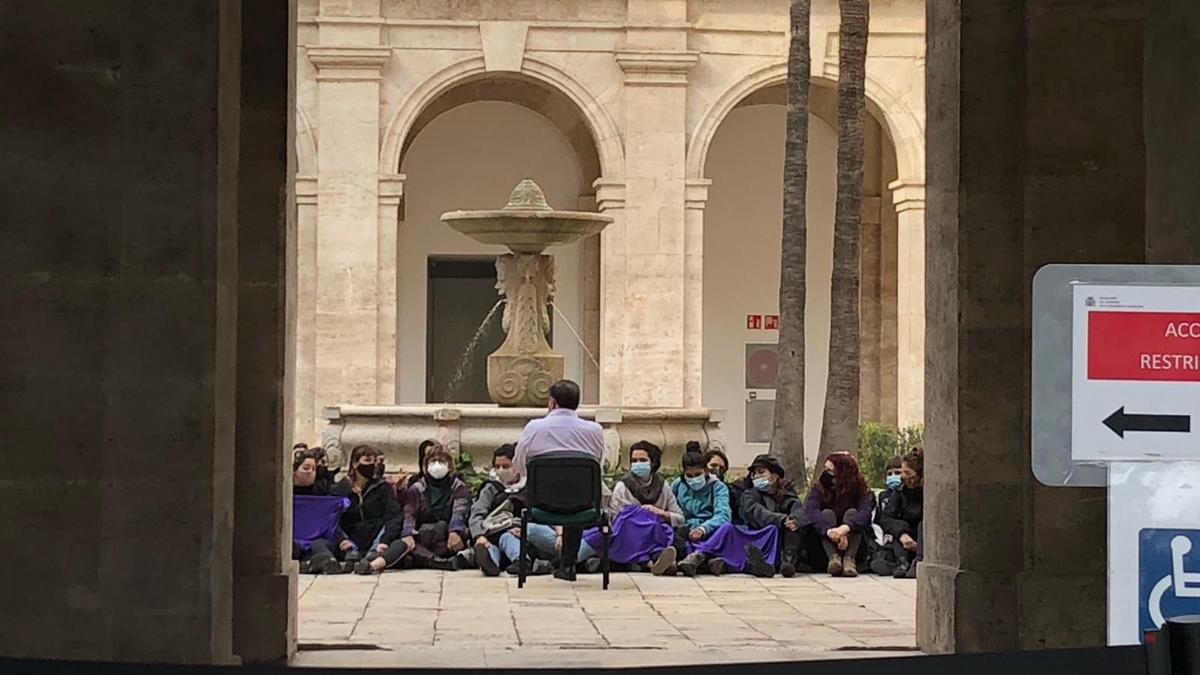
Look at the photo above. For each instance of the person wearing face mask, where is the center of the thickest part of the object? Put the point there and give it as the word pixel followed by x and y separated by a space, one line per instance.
pixel 839 505
pixel 902 514
pixel 883 562
pixel 718 465
pixel 437 513
pixel 770 501
pixel 317 540
pixel 491 520
pixel 374 517
pixel 644 514
pixel 704 500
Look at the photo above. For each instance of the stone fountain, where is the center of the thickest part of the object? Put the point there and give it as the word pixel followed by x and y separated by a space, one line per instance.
pixel 521 371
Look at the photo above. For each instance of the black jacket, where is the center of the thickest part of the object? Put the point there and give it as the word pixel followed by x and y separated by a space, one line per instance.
pixel 760 509
pixel 377 508
pixel 885 498
pixel 903 512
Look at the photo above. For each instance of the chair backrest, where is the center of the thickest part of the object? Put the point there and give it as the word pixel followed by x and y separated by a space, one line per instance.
pixel 563 482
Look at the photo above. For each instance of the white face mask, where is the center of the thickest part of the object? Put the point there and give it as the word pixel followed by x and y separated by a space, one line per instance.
pixel 437 470
pixel 506 476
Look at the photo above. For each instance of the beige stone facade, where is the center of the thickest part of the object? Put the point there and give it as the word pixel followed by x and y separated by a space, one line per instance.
pixel 636 94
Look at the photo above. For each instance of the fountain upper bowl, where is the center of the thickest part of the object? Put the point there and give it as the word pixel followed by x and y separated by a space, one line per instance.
pixel 526 230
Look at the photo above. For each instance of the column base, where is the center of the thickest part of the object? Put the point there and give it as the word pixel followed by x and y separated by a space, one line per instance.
pixel 265 616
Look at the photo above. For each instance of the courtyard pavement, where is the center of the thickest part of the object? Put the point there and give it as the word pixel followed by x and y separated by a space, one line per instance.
pixel 421 618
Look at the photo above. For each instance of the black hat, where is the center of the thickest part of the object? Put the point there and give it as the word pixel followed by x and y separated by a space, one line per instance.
pixel 769 463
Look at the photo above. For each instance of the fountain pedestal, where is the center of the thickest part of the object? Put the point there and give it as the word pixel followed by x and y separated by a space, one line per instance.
pixel 521 371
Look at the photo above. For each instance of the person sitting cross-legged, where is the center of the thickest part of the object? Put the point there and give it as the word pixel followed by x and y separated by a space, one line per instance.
pixel 437 511
pixel 644 513
pixel 883 559
pixel 901 516
pixel 375 516
pixel 318 542
pixel 769 502
pixel 839 506
pixel 704 500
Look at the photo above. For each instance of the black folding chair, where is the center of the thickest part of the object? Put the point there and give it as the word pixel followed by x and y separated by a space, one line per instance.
pixel 563 488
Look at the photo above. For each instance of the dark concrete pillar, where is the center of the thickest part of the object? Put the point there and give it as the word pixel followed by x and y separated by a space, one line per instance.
pixel 264 583
pixel 1032 158
pixel 124 389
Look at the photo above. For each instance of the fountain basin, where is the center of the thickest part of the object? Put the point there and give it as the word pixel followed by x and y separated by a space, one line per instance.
pixel 478 429
pixel 526 230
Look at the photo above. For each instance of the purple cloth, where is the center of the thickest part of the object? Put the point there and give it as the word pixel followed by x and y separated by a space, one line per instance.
pixel 638 536
pixel 316 518
pixel 729 544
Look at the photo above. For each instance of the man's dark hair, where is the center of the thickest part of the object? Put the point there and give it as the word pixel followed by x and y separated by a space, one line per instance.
pixel 694 460
pixel 507 450
pixel 566 394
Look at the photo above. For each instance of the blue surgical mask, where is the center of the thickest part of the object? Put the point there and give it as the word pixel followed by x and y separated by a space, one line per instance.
pixel 894 481
pixel 762 484
pixel 640 469
pixel 696 482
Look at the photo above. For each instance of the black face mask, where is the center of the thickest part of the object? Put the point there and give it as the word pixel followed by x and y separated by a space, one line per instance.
pixel 367 471
pixel 323 473
pixel 827 480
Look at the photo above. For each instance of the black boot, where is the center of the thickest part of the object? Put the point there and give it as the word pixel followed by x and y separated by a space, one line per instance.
pixel 691 565
pixel 756 563
pixel 444 564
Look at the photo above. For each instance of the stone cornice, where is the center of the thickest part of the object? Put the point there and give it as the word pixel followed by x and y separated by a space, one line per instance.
pixel 907 196
pixel 654 68
pixel 391 188
pixel 695 193
pixel 306 189
pixel 610 193
pixel 348 63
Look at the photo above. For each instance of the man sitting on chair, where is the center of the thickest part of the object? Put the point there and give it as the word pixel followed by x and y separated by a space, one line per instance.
pixel 561 430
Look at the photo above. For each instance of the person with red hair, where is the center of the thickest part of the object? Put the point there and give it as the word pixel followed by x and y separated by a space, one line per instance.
pixel 839 506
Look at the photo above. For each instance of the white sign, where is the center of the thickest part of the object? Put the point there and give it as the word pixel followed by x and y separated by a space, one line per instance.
pixel 1135 390
pixel 1153 546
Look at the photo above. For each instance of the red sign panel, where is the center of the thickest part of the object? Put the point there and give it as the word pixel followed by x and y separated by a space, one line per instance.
pixel 754 322
pixel 1145 346
pixel 772 322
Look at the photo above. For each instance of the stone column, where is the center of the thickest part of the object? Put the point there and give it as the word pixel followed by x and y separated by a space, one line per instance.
pixel 610 200
pixel 391 195
pixel 308 422
pixel 696 196
pixel 909 198
pixel 656 63
pixel 350 335
pixel 1032 159
pixel 589 278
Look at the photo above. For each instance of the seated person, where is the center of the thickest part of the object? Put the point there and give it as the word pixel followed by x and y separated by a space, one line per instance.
pixel 374 517
pixel 325 476
pixel 769 501
pixel 704 500
pixel 317 540
pixel 883 562
pixel 422 449
pixel 839 506
pixel 644 514
pixel 901 515
pixel 437 512
pixel 494 529
pixel 718 465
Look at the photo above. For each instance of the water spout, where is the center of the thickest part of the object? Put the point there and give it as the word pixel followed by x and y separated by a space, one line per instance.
pixel 463 366
pixel 574 332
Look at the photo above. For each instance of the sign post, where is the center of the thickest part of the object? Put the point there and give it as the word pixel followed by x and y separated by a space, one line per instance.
pixel 1126 414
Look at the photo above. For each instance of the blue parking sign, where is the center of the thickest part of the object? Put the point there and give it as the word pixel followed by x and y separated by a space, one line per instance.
pixel 1168 576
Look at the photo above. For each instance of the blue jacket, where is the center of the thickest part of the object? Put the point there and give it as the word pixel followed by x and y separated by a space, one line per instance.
pixel 706 508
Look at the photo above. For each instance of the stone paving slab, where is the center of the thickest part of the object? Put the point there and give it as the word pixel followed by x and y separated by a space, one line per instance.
pixel 429 618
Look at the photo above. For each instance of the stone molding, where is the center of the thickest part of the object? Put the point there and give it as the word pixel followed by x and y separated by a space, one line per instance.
pixel 695 193
pixel 391 188
pixel 349 64
pixel 306 189
pixel 655 68
pixel 610 193
pixel 907 196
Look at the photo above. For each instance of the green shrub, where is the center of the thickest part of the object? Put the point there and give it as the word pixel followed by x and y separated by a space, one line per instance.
pixel 877 443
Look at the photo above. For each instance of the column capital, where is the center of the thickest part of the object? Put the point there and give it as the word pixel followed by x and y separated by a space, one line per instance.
pixel 306 189
pixel 391 188
pixel 610 193
pixel 907 195
pixel 341 64
pixel 657 68
pixel 695 193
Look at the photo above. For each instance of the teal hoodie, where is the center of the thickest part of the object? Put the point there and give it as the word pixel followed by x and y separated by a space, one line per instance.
pixel 706 508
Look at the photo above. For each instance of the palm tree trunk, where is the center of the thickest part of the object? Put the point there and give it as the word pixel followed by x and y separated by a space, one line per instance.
pixel 787 432
pixel 839 430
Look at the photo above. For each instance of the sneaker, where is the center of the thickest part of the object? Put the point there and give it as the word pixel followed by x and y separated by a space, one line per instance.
pixel 756 563
pixel 484 559
pixel 465 559
pixel 306 567
pixel 352 556
pixel 912 571
pixel 539 568
pixel 363 568
pixel 717 567
pixel 331 566
pixel 900 571
pixel 564 574
pixel 835 566
pixel 665 565
pixel 787 569
pixel 690 566
pixel 849 567
pixel 444 564
pixel 882 566
pixel 592 566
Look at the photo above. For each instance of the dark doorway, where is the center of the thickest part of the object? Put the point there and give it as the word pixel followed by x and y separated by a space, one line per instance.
pixel 461 293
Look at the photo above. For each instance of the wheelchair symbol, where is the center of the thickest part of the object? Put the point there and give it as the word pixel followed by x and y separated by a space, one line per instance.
pixel 1186 584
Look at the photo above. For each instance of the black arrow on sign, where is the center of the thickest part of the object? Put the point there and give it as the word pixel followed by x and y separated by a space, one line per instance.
pixel 1120 422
